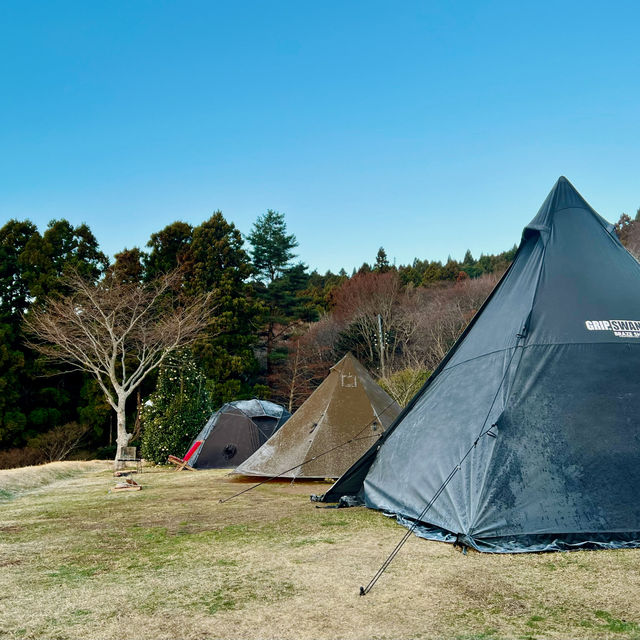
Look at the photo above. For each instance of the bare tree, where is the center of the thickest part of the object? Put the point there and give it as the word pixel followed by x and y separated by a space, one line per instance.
pixel 310 357
pixel 118 332
pixel 442 313
pixel 370 304
pixel 628 231
pixel 60 441
pixel 418 327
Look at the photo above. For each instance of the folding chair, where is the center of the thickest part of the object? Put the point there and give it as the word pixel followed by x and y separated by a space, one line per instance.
pixel 183 463
pixel 128 454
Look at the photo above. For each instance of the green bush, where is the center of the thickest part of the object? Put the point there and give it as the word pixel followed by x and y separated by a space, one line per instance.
pixel 403 385
pixel 176 411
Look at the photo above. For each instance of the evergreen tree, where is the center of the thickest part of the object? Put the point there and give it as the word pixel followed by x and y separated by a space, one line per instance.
pixel 287 304
pixel 271 246
pixel 213 259
pixel 450 270
pixel 176 411
pixel 31 265
pixel 15 295
pixel 319 290
pixel 432 272
pixel 279 285
pixel 127 267
pixel 14 301
pixel 167 249
pixel 60 250
pixel 216 261
pixel 382 262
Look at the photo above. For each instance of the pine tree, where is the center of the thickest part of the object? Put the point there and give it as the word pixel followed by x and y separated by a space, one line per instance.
pixel 468 260
pixel 272 248
pixel 382 262
pixel 279 284
pixel 176 411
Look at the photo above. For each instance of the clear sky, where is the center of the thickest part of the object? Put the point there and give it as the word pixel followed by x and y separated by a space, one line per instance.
pixel 424 127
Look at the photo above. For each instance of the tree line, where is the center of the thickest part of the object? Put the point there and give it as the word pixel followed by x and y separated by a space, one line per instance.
pixel 276 329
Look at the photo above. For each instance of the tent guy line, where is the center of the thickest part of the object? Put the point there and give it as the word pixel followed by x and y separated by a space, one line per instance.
pixel 563 473
pixel 456 468
pixel 330 416
pixel 324 453
pixel 407 535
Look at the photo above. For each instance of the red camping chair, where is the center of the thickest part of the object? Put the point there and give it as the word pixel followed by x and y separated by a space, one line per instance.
pixel 183 463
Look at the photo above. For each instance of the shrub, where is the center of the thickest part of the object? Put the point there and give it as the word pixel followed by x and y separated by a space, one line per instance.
pixel 108 452
pixel 59 442
pixel 25 457
pixel 176 411
pixel 403 385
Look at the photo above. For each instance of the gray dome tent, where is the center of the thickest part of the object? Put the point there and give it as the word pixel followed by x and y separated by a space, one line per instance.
pixel 551 364
pixel 235 431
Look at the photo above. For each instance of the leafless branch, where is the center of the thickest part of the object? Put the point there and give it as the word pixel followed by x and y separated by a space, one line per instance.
pixel 118 332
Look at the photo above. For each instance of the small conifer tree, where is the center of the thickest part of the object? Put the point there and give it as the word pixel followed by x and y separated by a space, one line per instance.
pixel 176 411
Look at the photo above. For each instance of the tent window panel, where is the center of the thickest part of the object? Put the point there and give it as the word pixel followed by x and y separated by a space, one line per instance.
pixel 349 380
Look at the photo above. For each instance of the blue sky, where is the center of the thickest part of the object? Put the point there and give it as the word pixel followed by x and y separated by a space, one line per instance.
pixel 424 127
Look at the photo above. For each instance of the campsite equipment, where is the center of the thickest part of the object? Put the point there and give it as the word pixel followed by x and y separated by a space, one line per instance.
pixel 235 431
pixel 549 365
pixel 128 454
pixel 126 485
pixel 183 463
pixel 331 430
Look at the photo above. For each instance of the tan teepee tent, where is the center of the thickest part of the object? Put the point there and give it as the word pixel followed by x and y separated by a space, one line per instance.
pixel 348 405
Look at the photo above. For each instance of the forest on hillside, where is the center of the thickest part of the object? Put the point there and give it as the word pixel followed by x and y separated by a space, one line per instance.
pixel 277 329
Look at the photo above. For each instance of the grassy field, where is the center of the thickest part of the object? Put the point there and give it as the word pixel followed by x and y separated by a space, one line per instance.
pixel 77 561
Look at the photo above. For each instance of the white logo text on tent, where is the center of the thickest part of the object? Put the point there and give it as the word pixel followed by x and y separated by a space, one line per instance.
pixel 620 328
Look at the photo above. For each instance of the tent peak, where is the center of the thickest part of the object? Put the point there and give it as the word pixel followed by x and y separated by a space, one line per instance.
pixel 347 357
pixel 336 424
pixel 562 196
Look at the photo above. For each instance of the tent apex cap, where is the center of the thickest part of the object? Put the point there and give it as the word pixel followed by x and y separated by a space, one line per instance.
pixel 345 358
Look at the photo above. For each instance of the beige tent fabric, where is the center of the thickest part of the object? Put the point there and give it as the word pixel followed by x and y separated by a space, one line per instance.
pixel 347 404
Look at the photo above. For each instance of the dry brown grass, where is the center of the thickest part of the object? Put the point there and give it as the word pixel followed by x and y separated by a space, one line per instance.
pixel 14 482
pixel 171 562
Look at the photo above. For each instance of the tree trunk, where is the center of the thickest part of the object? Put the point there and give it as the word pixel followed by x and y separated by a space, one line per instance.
pixel 294 376
pixel 123 437
pixel 138 423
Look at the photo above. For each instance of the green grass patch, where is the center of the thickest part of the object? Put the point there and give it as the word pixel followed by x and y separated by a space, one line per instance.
pixel 70 573
pixel 335 523
pixel 615 625
pixel 307 541
pixel 534 621
pixel 79 562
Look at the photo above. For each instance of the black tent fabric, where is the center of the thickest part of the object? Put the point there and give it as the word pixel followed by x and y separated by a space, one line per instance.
pixel 236 431
pixel 552 360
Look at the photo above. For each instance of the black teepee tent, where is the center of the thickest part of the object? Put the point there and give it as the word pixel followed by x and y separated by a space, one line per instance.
pixel 552 361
